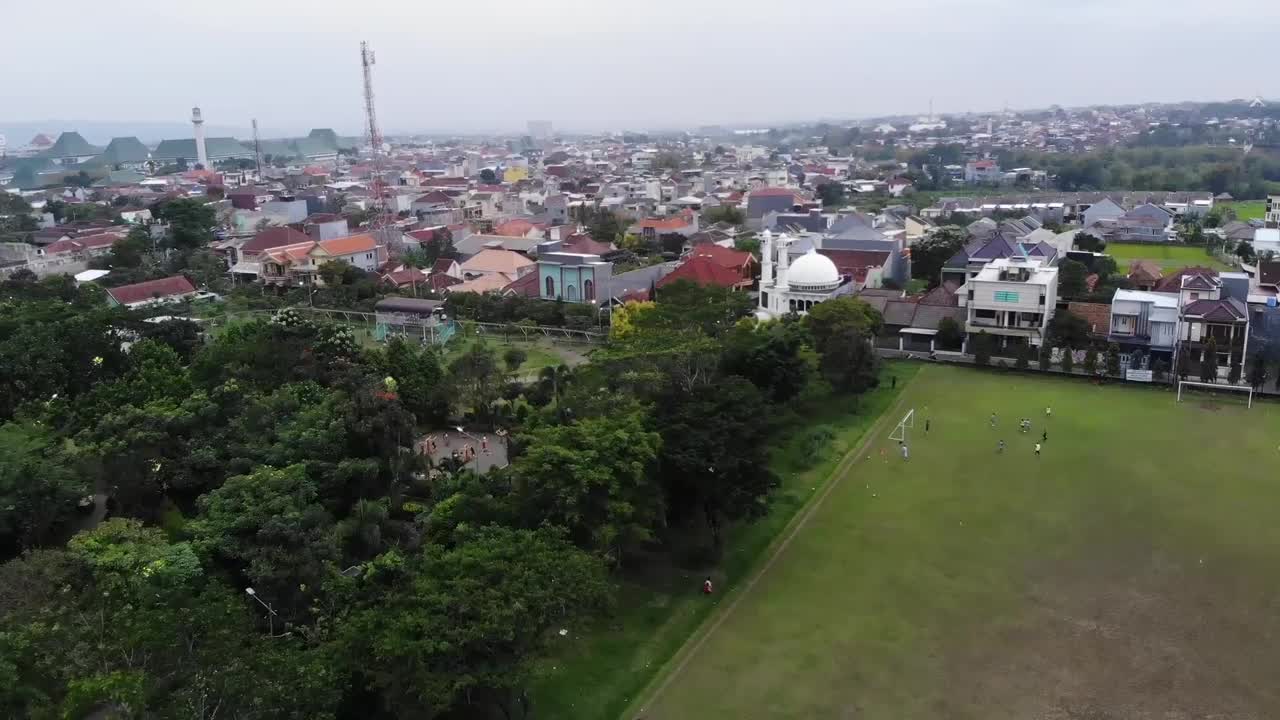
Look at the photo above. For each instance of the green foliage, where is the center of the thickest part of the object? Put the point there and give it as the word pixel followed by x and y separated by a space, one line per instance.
pixel 832 194
pixel 1089 242
pixel 420 380
pixel 1113 360
pixel 724 213
pixel 1209 362
pixel 191 222
pixel 1071 278
pixel 513 358
pixel 950 334
pixel 1023 358
pixel 982 348
pixel 476 376
pixel 1258 372
pixel 39 486
pixel 1159 368
pixel 1068 361
pixel 130 250
pixel 930 254
pixel 593 478
pixel 1090 365
pixel 1067 329
pixel 1233 373
pixel 775 356
pixel 842 331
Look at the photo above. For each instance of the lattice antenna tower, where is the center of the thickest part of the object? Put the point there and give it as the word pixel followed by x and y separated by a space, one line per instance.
pixel 257 150
pixel 375 136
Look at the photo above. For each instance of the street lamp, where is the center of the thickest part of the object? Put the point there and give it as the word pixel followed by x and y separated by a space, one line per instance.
pixel 271 616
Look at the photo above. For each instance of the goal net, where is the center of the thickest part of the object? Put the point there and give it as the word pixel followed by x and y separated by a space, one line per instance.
pixel 1214 393
pixel 908 421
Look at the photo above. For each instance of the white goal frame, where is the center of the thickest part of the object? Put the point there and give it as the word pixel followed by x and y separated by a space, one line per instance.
pixel 1216 386
pixel 908 421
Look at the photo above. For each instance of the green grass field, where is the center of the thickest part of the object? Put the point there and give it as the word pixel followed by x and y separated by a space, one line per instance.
pixel 596 671
pixel 538 354
pixel 1249 209
pixel 1128 572
pixel 1170 257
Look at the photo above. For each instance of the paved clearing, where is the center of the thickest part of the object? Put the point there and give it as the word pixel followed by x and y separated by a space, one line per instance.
pixel 1127 573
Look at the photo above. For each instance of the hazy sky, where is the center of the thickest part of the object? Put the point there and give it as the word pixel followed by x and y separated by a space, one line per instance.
pixel 607 64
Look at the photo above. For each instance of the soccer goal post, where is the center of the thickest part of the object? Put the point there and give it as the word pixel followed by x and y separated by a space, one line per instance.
pixel 908 421
pixel 1215 386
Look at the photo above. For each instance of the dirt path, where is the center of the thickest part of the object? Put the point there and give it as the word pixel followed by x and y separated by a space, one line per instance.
pixel 685 655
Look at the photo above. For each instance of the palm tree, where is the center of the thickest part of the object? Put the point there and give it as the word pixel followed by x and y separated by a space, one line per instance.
pixel 558 377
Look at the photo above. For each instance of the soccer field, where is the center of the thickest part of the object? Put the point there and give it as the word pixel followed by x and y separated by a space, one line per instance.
pixel 1127 572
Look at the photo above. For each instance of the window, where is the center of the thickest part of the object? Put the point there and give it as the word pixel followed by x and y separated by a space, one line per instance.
pixel 1195 296
pixel 588 290
pixel 985 314
pixel 1006 296
pixel 570 293
pixel 551 287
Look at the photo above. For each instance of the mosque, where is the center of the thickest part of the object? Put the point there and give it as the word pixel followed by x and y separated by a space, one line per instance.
pixel 799 285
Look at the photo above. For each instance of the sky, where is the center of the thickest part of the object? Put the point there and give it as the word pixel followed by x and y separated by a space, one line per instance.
pixel 586 65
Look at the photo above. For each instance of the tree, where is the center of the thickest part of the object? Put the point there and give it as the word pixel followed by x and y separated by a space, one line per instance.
pixel 982 348
pixel 593 478
pixel 1209 362
pixel 1045 356
pixel 832 194
pixel 513 358
pixel 270 526
pixel 715 454
pixel 39 486
pixel 724 213
pixel 1067 361
pixel 1159 368
pixel 420 381
pixel 930 254
pixel 1071 278
pixel 460 626
pixel 1113 360
pixel 1258 372
pixel 950 335
pixel 475 376
pixel 488 176
pixel 1023 359
pixel 605 226
pixel 828 320
pixel 1184 361
pixel 190 221
pixel 1233 373
pixel 1067 329
pixel 775 356
pixel 1089 242
pixel 1091 362
pixel 129 251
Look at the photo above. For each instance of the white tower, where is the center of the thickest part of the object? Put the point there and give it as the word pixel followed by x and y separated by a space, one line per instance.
pixel 766 258
pixel 197 121
pixel 784 264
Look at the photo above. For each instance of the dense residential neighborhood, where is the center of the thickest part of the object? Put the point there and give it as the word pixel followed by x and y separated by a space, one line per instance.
pixel 821 418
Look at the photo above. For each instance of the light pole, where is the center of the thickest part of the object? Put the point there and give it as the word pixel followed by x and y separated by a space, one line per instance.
pixel 475 455
pixel 271 613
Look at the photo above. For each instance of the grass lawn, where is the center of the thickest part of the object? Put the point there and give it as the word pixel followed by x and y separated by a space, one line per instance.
pixel 597 671
pixel 1170 257
pixel 1128 572
pixel 539 353
pixel 1249 209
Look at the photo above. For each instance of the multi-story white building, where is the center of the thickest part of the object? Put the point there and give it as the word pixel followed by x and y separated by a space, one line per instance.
pixel 1012 299
pixel 1272 218
pixel 1144 321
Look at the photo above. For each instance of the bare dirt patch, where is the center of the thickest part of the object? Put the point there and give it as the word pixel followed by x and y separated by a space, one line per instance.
pixel 1139 638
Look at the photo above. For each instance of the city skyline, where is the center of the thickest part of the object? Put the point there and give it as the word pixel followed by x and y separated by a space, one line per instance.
pixel 588 68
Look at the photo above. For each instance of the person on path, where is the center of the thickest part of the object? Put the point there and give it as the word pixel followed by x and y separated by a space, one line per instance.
pixel 993 419
pixel 706 586
pixel 1000 448
pixel 926 425
pixel 1037 449
pixel 905 453
pixel 893 382
pixel 484 444
pixel 1048 411
pixel 1045 437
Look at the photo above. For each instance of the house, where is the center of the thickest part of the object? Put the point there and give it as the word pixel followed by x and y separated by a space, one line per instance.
pixel 683 223
pixel 897 187
pixel 247 259
pixel 216 149
pixel 1145 274
pixel 405 277
pixel 1012 299
pixel 519 228
pixel 152 292
pixel 741 263
pixel 447 266
pixel 474 243
pixel 1144 321
pixel 917 228
pixel 1145 223
pixel 812 221
pixel 71 149
pixel 1104 209
pixel 136 217
pixel 1266 240
pixel 863 268
pixel 1212 306
pixel 326 226
pixel 508 264
pixel 765 200
pixel 701 270
pixel 300 264
pixel 574 277
pixel 982 171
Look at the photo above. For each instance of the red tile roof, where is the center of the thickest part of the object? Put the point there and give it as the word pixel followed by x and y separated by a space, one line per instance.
pixel 405 277
pixel 350 244
pixel 735 260
pixel 164 287
pixel 856 262
pixel 586 245
pixel 703 271
pixel 1096 315
pixel 514 228
pixel 273 238
pixel 1173 281
pixel 524 286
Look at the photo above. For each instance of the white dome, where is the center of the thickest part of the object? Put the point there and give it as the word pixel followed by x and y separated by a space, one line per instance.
pixel 813 271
